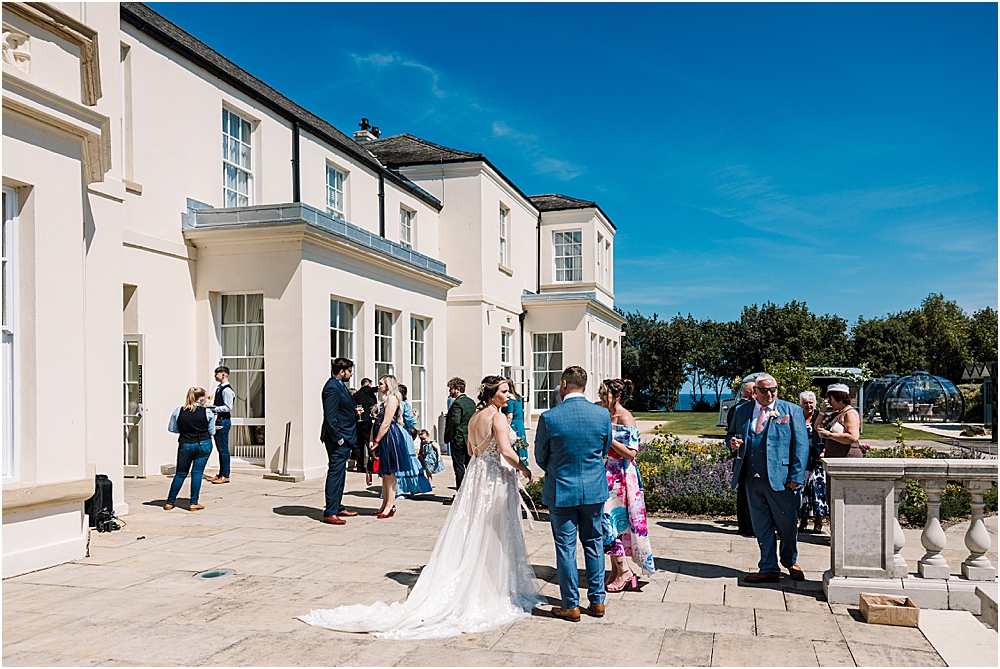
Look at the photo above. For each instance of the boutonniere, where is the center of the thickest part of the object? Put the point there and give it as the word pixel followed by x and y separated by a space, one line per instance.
pixel 773 414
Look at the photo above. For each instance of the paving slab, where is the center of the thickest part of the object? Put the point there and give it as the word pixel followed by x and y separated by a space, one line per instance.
pixel 733 650
pixel 799 625
pixel 960 639
pixel 698 591
pixel 856 631
pixel 720 619
pixel 756 597
pixel 681 648
pixel 833 654
pixel 872 655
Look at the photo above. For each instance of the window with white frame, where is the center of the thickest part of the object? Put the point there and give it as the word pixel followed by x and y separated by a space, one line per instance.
pixel 607 263
pixel 614 360
pixel 593 359
pixel 242 344
pixel 607 359
pixel 8 277
pixel 504 235
pixel 600 255
pixel 506 353
pixel 237 157
pixel 568 255
pixel 341 331
pixel 548 365
pixel 418 367
pixel 335 191
pixel 406 227
pixel 384 321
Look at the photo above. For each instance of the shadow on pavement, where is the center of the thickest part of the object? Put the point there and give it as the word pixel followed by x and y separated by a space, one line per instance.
pixel 311 512
pixel 699 527
pixel 162 502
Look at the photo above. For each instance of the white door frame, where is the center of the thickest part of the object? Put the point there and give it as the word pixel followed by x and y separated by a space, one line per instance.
pixel 138 469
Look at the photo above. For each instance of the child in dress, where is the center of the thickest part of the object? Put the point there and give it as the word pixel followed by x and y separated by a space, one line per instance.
pixel 430 455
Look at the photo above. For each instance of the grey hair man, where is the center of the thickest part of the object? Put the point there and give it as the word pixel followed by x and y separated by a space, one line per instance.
pixel 772 448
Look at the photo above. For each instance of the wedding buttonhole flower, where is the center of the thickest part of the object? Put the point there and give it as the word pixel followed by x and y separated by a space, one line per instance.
pixel 774 414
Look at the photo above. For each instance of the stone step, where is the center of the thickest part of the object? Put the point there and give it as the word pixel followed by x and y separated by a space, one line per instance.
pixel 960 639
pixel 987 593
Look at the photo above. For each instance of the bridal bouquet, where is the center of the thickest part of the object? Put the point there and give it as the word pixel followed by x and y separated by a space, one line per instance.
pixel 521 448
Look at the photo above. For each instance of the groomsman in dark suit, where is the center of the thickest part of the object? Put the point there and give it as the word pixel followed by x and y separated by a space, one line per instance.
pixel 339 435
pixel 456 431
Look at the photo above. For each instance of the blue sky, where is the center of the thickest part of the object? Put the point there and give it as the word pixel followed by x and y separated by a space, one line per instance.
pixel 842 155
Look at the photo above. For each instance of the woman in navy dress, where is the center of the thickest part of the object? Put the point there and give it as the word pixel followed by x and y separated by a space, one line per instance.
pixel 389 442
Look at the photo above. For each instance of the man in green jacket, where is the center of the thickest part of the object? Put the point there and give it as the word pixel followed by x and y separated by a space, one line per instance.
pixel 456 431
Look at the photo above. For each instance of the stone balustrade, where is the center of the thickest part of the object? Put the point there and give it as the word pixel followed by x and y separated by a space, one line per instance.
pixel 867 540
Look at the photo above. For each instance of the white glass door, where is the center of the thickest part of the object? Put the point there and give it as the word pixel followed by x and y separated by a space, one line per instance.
pixel 8 395
pixel 133 451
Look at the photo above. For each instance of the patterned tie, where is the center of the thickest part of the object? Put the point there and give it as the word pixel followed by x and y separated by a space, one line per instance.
pixel 762 420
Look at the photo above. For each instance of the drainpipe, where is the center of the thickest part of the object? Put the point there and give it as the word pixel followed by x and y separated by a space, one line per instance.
pixel 381 205
pixel 296 169
pixel 520 320
pixel 538 254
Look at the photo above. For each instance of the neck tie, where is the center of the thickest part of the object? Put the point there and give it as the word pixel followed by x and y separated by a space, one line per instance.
pixel 762 419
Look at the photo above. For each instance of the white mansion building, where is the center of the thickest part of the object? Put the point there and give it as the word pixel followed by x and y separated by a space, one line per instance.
pixel 137 257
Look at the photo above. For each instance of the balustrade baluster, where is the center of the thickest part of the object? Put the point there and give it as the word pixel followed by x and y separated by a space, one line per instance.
pixel 977 567
pixel 933 539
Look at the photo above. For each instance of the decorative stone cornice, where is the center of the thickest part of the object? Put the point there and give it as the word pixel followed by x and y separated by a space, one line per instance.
pixel 40 104
pixel 59 23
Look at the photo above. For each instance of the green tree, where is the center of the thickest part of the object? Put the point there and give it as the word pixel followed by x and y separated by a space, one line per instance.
pixel 656 357
pixel 983 336
pixel 888 345
pixel 944 329
pixel 786 333
pixel 792 379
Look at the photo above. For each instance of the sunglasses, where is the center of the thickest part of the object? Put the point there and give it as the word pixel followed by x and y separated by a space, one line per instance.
pixel 772 389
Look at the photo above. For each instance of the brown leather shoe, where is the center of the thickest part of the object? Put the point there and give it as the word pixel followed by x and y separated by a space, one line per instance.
pixel 167 507
pixel 596 610
pixel 219 479
pixel 762 578
pixel 334 520
pixel 196 507
pixel 572 615
pixel 795 571
pixel 349 514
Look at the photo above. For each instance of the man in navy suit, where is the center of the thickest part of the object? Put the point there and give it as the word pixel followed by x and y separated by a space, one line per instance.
pixel 769 436
pixel 339 435
pixel 571 442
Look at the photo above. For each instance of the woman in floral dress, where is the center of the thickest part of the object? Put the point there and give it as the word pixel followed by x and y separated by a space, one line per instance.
pixel 624 519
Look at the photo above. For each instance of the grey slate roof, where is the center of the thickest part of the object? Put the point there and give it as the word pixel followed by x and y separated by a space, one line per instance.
pixel 405 149
pixel 185 44
pixel 557 202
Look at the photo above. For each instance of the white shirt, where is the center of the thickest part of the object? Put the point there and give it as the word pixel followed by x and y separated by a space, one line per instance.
pixel 572 395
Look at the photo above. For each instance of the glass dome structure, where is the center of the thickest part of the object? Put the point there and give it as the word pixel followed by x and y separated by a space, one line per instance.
pixel 875 394
pixel 921 396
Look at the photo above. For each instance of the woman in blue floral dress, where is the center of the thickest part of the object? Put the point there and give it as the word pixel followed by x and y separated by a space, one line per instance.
pixel 624 520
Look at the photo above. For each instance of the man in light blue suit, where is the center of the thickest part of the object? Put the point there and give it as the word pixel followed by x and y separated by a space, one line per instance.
pixel 772 448
pixel 571 442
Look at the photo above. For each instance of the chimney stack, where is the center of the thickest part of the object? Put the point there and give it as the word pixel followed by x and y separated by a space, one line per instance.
pixel 367 132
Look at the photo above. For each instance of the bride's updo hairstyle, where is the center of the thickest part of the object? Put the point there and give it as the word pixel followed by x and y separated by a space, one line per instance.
pixel 620 389
pixel 487 389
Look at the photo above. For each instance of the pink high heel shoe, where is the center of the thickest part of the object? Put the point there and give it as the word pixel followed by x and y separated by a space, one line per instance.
pixel 624 582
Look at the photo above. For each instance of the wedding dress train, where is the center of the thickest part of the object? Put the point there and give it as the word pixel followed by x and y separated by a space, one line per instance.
pixel 478 577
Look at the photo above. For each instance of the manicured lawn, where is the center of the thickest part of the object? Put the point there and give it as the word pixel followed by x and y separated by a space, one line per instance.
pixel 703 424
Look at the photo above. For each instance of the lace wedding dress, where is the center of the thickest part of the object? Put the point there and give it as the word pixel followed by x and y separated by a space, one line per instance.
pixel 478 577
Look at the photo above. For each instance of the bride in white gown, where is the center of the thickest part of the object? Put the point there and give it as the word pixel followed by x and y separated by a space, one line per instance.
pixel 478 577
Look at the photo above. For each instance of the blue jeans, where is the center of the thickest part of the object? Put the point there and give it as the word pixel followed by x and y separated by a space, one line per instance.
pixel 336 475
pixel 193 457
pixel 771 510
pixel 567 522
pixel 222 445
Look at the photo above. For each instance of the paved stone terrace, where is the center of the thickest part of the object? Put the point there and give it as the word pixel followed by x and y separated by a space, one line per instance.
pixel 134 601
